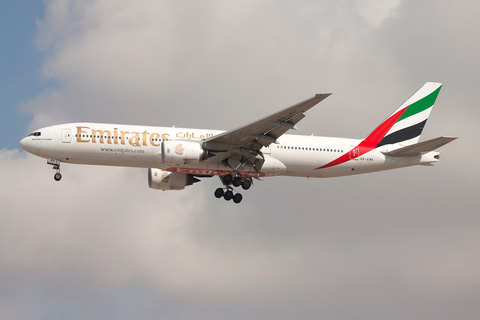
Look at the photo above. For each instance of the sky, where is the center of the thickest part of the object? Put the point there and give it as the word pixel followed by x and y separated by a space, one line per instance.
pixel 100 244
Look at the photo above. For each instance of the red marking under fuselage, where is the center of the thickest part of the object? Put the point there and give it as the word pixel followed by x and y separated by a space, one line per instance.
pixel 214 172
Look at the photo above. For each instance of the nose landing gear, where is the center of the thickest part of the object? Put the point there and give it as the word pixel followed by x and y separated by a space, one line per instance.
pixel 56 166
pixel 227 194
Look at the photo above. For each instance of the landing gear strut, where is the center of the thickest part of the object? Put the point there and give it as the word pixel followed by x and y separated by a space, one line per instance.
pixel 227 192
pixel 56 166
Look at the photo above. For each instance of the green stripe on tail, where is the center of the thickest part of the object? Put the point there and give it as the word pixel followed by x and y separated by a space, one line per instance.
pixel 420 105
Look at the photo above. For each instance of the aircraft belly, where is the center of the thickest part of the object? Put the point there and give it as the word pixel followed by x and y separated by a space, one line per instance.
pixel 303 164
pixel 273 166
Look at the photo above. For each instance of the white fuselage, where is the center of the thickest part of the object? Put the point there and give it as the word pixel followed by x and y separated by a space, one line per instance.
pixel 140 146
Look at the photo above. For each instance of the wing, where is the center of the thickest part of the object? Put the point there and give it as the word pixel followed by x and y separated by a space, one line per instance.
pixel 241 147
pixel 262 132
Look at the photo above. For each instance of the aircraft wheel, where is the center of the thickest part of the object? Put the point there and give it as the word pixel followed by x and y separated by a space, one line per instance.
pixel 228 195
pixel 246 184
pixel 57 176
pixel 219 193
pixel 237 181
pixel 227 179
pixel 237 198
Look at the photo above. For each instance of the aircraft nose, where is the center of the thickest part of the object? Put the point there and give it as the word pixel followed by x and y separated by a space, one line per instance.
pixel 24 144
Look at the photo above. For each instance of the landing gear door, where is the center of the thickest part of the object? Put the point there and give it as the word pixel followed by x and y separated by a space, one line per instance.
pixel 354 152
pixel 66 135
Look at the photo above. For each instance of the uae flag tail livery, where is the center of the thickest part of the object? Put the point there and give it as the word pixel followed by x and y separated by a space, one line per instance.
pixel 402 127
pixel 406 124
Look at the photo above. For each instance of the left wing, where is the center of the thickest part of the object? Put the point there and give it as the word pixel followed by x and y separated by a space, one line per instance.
pixel 262 132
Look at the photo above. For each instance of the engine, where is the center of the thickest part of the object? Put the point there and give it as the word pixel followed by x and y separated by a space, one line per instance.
pixel 182 152
pixel 164 180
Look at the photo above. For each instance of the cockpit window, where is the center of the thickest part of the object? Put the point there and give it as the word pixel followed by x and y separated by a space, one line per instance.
pixel 35 134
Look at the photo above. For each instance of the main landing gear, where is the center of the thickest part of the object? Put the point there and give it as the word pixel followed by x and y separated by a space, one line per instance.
pixel 56 166
pixel 227 194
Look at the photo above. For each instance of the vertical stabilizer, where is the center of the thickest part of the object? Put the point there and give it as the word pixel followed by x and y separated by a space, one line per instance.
pixel 408 121
pixel 404 126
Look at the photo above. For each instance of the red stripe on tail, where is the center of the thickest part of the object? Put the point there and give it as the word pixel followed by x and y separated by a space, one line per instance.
pixel 370 142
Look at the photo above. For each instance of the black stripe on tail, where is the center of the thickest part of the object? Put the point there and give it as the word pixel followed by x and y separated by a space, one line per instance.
pixel 403 135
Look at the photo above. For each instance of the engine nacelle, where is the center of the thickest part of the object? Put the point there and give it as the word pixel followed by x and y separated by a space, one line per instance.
pixel 164 180
pixel 182 152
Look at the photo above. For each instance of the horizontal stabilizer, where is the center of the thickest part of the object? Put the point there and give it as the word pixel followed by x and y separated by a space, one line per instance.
pixel 420 148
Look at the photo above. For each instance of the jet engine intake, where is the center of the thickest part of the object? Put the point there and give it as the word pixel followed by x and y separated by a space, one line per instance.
pixel 164 180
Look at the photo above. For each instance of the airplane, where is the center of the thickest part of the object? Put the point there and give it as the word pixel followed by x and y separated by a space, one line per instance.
pixel 178 157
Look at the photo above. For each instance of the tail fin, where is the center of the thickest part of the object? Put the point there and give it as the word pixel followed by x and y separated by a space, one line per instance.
pixel 406 124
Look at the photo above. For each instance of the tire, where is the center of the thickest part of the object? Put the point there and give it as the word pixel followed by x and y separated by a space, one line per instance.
pixel 237 181
pixel 237 198
pixel 219 193
pixel 57 176
pixel 228 195
pixel 246 184
pixel 227 179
